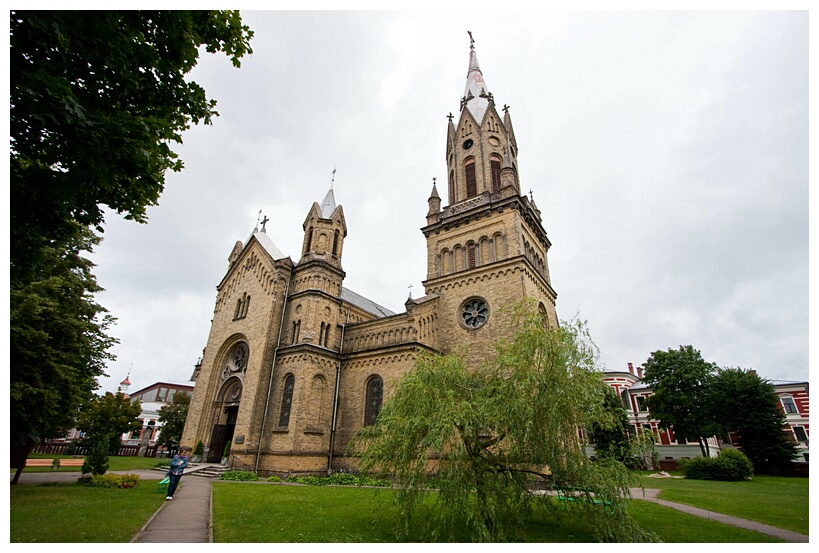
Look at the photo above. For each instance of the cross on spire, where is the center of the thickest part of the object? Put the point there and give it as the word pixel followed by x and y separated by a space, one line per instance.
pixel 410 291
pixel 471 41
pixel 264 222
pixel 333 178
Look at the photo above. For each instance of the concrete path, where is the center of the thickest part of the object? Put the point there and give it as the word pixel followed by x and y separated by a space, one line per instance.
pixel 187 517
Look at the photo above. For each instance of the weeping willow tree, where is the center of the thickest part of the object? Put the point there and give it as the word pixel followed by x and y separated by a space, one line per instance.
pixel 483 443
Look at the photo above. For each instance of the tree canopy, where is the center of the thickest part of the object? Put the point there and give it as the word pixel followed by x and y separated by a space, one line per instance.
pixel 110 416
pixel 58 341
pixel 748 405
pixel 172 416
pixel 485 437
pixel 97 97
pixel 679 380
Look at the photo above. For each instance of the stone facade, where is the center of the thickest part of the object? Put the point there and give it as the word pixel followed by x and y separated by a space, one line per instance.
pixel 296 364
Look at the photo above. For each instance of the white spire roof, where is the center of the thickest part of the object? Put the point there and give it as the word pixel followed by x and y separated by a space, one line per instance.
pixel 476 94
pixel 328 204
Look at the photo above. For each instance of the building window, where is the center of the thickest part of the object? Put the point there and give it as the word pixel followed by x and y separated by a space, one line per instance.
pixel 335 244
pixel 789 405
pixel 296 328
pixel 470 256
pixel 242 305
pixel 474 313
pixel 641 403
pixel 287 400
pixel 647 431
pixel 471 179
pixel 495 162
pixel 375 394
pixel 801 435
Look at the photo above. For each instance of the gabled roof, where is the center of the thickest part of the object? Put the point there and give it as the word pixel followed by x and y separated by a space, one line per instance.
pixel 367 305
pixel 267 243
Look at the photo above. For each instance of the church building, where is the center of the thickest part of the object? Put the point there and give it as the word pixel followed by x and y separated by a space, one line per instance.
pixel 296 364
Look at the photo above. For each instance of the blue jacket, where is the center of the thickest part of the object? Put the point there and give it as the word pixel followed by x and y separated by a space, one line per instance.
pixel 178 464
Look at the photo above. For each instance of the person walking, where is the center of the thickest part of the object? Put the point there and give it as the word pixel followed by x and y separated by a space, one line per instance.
pixel 178 464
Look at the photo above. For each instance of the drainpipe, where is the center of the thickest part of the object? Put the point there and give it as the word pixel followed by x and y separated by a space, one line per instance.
pixel 335 398
pixel 272 370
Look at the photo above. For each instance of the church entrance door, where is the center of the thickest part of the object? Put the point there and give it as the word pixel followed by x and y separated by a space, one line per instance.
pixel 222 434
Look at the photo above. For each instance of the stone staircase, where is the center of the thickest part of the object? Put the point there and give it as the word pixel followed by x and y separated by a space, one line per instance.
pixel 203 470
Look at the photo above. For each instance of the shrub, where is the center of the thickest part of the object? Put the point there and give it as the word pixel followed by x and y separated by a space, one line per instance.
pixel 199 448
pixel 110 480
pixel 339 479
pixel 274 478
pixel 731 465
pixel 242 475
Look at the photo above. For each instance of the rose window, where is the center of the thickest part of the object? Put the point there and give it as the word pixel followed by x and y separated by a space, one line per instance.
pixel 474 313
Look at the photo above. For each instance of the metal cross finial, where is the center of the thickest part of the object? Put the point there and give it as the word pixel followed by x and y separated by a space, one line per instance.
pixel 264 222
pixel 471 41
pixel 410 290
pixel 433 184
pixel 450 116
pixel 333 179
pixel 531 195
pixel 259 217
pixel 505 108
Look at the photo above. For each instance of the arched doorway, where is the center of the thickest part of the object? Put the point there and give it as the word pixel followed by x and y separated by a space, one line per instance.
pixel 222 434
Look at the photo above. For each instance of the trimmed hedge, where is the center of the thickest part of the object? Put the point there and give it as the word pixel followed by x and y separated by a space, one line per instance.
pixel 730 466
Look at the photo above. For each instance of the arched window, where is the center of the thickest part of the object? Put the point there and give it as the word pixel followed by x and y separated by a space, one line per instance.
pixel 470 256
pixel 335 244
pixel 452 187
pixel 372 405
pixel 287 400
pixel 495 162
pixel 309 239
pixel 471 179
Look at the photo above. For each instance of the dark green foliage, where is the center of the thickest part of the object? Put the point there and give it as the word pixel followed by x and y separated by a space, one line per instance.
pixel 110 481
pixel 749 406
pixel 172 416
pixel 199 448
pixel 96 462
pixel 731 465
pixel 679 380
pixel 110 416
pixel 611 440
pixel 242 475
pixel 97 98
pixel 495 430
pixel 58 340
pixel 340 479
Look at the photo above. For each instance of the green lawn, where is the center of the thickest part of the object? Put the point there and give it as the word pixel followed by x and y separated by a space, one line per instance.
pixel 68 513
pixel 778 501
pixel 261 512
pixel 249 512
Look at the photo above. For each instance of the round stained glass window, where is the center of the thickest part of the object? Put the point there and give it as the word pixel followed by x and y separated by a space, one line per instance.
pixel 474 313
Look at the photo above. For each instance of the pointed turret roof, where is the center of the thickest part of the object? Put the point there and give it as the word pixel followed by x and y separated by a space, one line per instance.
pixel 328 204
pixel 476 95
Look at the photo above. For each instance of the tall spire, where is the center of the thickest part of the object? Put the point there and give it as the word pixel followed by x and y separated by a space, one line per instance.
pixel 328 204
pixel 476 96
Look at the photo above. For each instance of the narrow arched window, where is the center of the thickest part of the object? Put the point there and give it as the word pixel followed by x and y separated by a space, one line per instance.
pixel 375 394
pixel 470 256
pixel 471 179
pixel 287 400
pixel 335 244
pixel 309 240
pixel 495 163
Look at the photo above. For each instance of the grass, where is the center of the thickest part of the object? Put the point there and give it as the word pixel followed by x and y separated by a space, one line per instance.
pixel 778 501
pixel 261 512
pixel 302 514
pixel 68 513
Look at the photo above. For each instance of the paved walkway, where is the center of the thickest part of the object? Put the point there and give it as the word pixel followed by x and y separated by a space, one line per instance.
pixel 187 517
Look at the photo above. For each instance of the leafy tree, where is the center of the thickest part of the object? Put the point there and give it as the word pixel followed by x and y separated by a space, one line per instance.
pixel 747 404
pixel 611 441
pixel 172 416
pixel 110 416
pixel 96 99
pixel 96 462
pixel 679 380
pixel 58 341
pixel 493 431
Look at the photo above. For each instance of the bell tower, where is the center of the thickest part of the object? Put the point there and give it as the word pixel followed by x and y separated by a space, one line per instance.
pixel 487 248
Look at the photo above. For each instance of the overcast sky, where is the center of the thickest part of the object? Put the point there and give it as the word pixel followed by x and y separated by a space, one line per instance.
pixel 667 151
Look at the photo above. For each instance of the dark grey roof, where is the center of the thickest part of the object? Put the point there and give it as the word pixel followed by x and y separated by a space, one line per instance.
pixel 365 304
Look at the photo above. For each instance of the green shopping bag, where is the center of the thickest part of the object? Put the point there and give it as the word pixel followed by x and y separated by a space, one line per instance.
pixel 163 485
